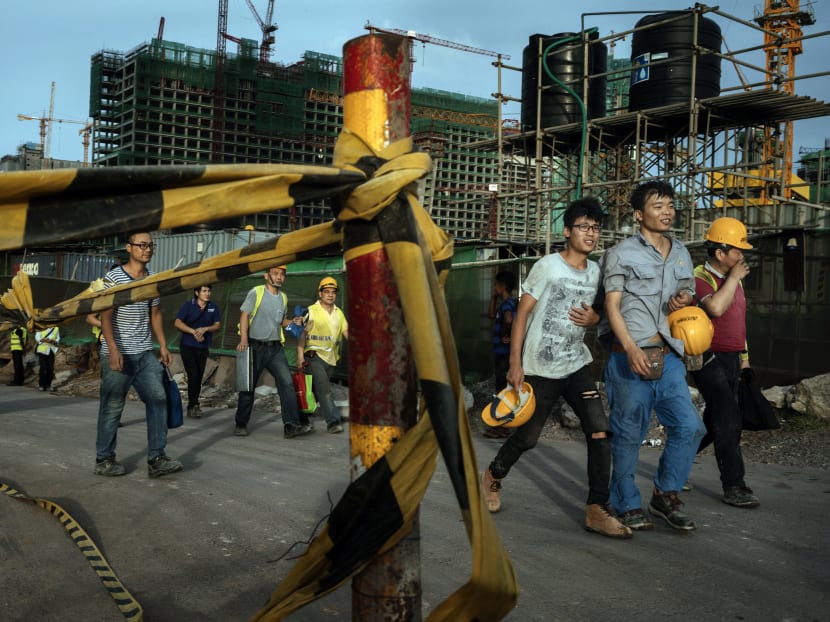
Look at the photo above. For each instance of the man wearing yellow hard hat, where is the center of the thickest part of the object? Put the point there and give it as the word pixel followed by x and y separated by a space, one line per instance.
pixel 318 348
pixel 719 287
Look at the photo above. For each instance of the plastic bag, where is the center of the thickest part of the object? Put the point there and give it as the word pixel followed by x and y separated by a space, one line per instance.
pixel 305 396
pixel 756 411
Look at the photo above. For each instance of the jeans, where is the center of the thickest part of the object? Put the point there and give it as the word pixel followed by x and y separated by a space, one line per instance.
pixel 142 371
pixel 46 372
pixel 717 381
pixel 580 392
pixel 194 361
pixel 321 385
pixel 631 400
pixel 270 355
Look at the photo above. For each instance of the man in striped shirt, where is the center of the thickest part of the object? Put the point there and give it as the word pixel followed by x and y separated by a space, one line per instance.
pixel 127 360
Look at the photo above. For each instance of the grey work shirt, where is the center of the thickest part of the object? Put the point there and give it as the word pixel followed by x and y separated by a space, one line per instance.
pixel 647 282
pixel 267 323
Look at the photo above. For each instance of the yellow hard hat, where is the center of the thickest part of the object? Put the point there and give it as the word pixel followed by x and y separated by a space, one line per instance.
pixel 510 409
pixel 326 283
pixel 729 231
pixel 693 327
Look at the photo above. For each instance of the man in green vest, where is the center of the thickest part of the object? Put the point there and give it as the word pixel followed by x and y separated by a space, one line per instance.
pixel 17 338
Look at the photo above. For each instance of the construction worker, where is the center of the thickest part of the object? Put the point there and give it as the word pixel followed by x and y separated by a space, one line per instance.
pixel 318 348
pixel 47 346
pixel 719 288
pixel 17 339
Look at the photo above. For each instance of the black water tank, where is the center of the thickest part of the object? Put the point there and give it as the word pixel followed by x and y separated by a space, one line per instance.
pixel 566 62
pixel 671 82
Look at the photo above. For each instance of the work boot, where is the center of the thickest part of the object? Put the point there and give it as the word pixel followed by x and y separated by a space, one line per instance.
pixel 108 467
pixel 600 520
pixel 740 497
pixel 491 489
pixel 637 520
pixel 163 465
pixel 667 505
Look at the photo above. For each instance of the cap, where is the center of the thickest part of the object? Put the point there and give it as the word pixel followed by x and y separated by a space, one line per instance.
pixel 327 282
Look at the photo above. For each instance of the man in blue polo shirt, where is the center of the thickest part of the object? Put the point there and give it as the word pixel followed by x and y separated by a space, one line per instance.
pixel 197 320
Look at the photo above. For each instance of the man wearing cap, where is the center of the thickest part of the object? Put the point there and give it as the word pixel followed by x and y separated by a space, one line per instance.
pixel 318 348
pixel 261 323
pixel 720 291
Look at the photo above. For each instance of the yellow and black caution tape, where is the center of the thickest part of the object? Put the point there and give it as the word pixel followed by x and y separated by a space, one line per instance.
pixel 374 194
pixel 125 601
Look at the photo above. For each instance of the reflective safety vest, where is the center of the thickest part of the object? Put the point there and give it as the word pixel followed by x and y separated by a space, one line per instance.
pixel 320 338
pixel 52 333
pixel 260 293
pixel 18 338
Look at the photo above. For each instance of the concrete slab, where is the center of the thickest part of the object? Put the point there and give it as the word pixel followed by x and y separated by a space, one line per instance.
pixel 200 545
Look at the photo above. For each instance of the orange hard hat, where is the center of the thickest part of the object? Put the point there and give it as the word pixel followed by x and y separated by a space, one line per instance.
pixel 327 282
pixel 729 231
pixel 509 408
pixel 693 327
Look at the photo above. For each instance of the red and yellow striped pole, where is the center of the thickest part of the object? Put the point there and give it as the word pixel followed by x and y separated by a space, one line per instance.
pixel 382 395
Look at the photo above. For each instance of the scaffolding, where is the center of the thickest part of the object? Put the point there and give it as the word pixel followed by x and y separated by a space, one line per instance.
pixel 724 155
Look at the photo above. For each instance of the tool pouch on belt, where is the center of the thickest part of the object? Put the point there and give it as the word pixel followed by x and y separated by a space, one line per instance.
pixel 655 363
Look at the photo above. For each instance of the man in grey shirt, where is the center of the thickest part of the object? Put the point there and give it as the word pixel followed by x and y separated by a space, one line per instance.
pixel 646 277
pixel 260 328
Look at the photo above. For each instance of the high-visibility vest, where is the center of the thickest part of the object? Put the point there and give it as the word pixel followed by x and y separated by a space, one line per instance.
pixel 18 341
pixel 260 293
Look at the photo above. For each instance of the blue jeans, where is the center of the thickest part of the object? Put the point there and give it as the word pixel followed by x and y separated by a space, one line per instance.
pixel 142 371
pixel 270 355
pixel 631 400
pixel 321 385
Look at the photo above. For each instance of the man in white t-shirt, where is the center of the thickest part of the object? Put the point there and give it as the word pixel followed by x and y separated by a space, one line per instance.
pixel 548 352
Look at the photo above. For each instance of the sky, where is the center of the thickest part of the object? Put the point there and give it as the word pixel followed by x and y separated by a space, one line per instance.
pixel 53 40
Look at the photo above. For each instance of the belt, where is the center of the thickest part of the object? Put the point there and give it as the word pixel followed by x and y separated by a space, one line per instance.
pixel 257 342
pixel 617 347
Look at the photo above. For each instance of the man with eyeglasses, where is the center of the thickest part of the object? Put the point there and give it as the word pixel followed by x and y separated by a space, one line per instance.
pixel 548 351
pixel 127 360
pixel 719 287
pixel 646 277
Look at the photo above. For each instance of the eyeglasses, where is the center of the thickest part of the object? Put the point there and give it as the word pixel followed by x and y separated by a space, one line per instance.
pixel 143 245
pixel 585 227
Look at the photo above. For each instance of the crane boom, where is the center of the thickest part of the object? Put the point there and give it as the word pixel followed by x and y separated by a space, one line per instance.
pixel 267 27
pixel 411 34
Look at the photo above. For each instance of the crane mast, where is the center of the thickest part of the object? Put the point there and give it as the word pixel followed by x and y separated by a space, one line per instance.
pixel 782 21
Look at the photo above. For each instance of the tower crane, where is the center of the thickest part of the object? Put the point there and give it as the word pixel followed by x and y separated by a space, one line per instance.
pixel 782 21
pixel 416 36
pixel 46 122
pixel 268 29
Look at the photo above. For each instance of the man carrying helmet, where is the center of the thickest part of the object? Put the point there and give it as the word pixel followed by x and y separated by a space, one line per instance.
pixel 646 277
pixel 720 291
pixel 548 352
pixel 318 349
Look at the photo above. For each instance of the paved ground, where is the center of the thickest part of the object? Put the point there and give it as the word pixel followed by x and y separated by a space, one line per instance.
pixel 197 546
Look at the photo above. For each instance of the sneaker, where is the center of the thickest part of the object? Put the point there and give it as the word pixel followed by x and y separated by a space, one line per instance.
pixel 292 430
pixel 491 489
pixel 599 520
pixel 240 430
pixel 108 467
pixel 636 520
pixel 163 465
pixel 740 497
pixel 334 428
pixel 667 505
pixel 194 411
pixel 688 486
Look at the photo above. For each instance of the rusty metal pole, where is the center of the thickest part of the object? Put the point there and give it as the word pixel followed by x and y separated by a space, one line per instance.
pixel 382 395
